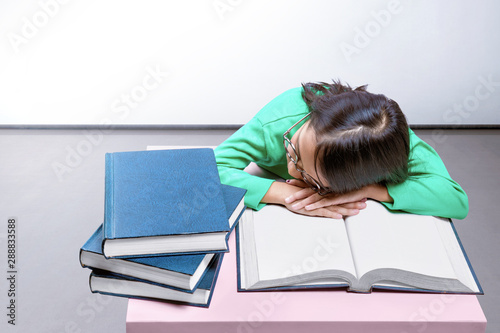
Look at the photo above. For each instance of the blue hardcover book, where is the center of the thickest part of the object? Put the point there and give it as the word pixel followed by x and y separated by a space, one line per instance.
pixel 376 249
pixel 183 272
pixel 163 202
pixel 116 285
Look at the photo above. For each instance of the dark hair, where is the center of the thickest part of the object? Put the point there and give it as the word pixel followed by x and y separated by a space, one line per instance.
pixel 362 138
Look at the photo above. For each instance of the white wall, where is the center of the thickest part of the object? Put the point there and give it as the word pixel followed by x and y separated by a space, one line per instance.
pixel 220 61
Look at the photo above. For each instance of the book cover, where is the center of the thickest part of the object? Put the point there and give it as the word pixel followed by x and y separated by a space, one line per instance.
pixel 159 195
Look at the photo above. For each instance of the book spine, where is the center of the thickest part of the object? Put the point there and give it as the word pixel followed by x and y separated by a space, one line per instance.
pixel 108 198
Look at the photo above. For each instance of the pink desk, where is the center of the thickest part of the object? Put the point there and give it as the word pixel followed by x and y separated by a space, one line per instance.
pixel 308 311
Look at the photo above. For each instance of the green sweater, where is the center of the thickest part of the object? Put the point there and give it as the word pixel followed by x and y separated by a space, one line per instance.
pixel 429 190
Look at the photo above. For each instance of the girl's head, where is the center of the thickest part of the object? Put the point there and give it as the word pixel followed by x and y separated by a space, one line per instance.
pixel 361 138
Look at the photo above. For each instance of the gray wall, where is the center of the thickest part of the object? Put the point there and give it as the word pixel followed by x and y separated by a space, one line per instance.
pixel 220 61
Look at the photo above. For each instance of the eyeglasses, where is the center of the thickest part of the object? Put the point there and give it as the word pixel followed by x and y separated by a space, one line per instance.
pixel 314 184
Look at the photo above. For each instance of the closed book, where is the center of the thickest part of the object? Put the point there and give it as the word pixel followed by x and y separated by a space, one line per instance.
pixel 184 272
pixel 116 285
pixel 163 202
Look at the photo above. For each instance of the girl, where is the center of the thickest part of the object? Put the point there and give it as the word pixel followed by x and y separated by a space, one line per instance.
pixel 336 147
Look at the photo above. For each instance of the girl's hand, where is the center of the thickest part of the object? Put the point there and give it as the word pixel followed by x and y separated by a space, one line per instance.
pixel 281 190
pixel 309 200
pixel 332 211
pixel 299 202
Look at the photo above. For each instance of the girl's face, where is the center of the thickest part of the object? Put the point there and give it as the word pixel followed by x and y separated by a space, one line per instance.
pixel 304 141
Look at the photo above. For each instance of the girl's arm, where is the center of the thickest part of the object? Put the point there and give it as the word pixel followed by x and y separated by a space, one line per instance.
pixel 245 146
pixel 429 190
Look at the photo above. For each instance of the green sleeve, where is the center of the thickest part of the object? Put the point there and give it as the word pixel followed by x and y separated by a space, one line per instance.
pixel 429 189
pixel 235 154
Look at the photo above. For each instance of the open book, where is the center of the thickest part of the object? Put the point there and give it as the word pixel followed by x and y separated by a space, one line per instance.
pixel 374 249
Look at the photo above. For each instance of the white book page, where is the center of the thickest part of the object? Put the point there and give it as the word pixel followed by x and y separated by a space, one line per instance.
pixel 290 244
pixel 380 239
pixel 457 258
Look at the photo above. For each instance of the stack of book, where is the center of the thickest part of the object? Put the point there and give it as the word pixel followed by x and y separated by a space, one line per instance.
pixel 166 224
